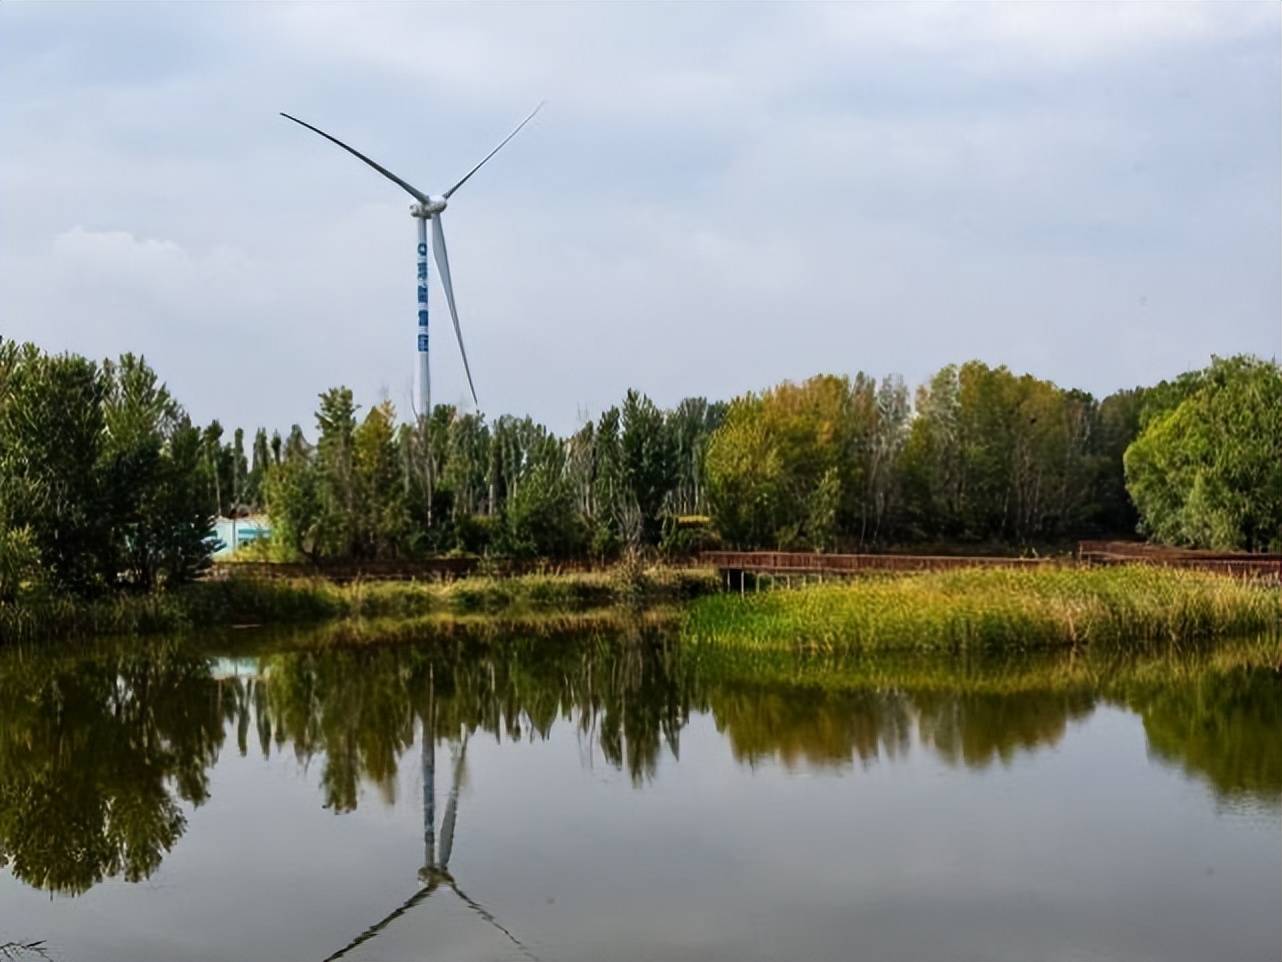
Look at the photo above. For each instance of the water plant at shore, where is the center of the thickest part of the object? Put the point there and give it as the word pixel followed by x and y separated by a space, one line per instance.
pixel 245 601
pixel 991 608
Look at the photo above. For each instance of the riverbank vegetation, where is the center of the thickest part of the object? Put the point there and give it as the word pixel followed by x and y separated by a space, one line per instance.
pixel 209 605
pixel 990 608
pixel 108 491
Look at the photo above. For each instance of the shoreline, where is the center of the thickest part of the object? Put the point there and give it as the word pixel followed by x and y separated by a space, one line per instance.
pixel 242 602
pixel 1045 606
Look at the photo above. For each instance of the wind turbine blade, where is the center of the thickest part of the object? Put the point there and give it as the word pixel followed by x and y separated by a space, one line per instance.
pixel 443 268
pixel 486 914
pixel 387 920
pixel 449 192
pixel 451 808
pixel 409 188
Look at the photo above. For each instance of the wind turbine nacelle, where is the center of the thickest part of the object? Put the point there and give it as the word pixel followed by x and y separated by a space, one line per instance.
pixel 433 205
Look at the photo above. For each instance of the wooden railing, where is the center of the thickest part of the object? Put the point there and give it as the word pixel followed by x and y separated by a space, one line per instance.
pixel 1236 563
pixel 804 562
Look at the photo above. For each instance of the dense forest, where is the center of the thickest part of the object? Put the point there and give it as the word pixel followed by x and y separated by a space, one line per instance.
pixel 105 482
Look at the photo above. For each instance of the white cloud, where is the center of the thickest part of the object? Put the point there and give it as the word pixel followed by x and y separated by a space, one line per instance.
pixel 715 198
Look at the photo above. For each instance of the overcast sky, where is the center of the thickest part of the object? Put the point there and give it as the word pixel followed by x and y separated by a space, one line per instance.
pixel 714 199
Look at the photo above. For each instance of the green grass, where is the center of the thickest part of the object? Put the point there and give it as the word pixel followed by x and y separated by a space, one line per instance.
pixel 37 619
pixel 246 601
pixel 990 608
pixel 283 601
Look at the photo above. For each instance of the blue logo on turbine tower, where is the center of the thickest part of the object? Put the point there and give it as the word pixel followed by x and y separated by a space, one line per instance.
pixel 422 318
pixel 422 343
pixel 422 295
pixel 422 250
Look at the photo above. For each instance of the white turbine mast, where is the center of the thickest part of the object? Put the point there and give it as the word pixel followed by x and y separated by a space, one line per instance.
pixel 428 207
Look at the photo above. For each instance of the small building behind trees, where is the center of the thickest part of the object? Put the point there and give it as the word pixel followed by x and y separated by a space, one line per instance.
pixel 235 533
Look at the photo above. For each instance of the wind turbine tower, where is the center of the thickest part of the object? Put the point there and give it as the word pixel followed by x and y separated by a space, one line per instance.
pixel 428 207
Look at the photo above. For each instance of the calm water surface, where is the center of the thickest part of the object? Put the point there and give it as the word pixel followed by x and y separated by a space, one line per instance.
pixel 580 798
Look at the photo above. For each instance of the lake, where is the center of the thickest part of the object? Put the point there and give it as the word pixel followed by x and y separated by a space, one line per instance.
pixel 602 796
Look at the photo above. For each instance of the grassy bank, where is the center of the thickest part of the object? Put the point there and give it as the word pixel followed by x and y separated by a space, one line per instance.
pixel 242 601
pixel 988 608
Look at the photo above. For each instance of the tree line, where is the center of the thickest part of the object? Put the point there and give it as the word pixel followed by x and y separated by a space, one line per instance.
pixel 106 483
pixel 370 487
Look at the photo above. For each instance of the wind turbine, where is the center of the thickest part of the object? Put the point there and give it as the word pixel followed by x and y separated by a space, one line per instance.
pixel 428 207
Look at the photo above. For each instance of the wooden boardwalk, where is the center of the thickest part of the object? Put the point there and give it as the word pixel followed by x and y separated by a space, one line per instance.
pixel 1237 563
pixel 802 562
pixel 736 566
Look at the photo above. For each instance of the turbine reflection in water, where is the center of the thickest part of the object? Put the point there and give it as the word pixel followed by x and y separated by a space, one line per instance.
pixel 435 871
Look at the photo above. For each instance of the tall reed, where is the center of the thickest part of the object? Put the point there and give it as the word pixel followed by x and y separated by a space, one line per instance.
pixel 991 608
pixel 238 601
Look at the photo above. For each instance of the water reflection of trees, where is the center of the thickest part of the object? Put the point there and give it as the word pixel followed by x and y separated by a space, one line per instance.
pixel 818 728
pixel 1225 727
pixel 359 708
pixel 835 728
pixel 978 729
pixel 94 754
pixel 98 752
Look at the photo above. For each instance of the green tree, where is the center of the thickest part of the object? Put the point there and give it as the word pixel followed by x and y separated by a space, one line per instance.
pixel 261 460
pixel 155 479
pixel 1207 472
pixel 335 461
pixel 383 522
pixel 649 461
pixel 467 446
pixel 766 462
pixel 745 477
pixel 239 470
pixel 611 498
pixel 292 490
pixel 51 438
pixel 994 455
pixel 221 468
pixel 180 534
pixel 821 512
pixel 692 424
pixel 541 518
pixel 884 410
